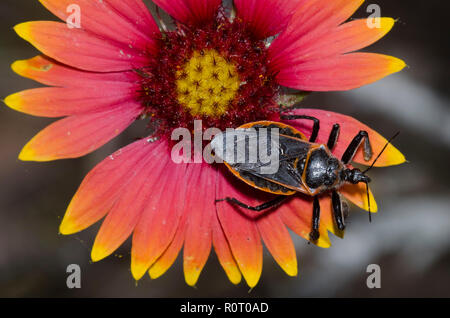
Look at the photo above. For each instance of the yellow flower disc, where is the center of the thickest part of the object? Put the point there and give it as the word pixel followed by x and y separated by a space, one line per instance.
pixel 207 84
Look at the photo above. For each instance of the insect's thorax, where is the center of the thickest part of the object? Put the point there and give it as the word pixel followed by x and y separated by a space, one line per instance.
pixel 321 170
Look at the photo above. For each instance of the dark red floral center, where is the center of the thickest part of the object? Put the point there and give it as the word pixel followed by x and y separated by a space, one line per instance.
pixel 217 73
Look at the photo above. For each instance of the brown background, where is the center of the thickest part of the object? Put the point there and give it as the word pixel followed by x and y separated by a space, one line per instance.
pixel 409 238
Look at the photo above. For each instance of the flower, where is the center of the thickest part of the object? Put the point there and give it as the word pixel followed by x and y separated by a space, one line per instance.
pixel 223 69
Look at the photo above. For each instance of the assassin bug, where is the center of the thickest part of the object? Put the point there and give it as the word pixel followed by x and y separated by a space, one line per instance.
pixel 305 167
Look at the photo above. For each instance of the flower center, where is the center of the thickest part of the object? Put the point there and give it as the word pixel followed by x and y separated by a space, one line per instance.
pixel 217 73
pixel 207 84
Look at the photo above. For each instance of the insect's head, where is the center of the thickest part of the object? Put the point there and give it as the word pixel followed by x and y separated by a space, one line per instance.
pixel 354 176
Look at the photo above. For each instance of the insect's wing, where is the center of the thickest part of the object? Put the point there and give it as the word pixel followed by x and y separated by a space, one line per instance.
pixel 244 146
pixel 241 150
pixel 293 147
pixel 286 175
pixel 292 152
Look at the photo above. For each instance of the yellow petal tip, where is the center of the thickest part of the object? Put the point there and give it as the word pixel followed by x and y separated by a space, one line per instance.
pixel 138 270
pixel 324 243
pixel 387 23
pixel 192 273
pixel 67 227
pixel 191 281
pixel 396 157
pixel 19 67
pixel 98 253
pixel 31 152
pixel 23 30
pixel 235 280
pixel 252 278
pixel 156 271
pixel 233 274
pixel 14 101
pixel 373 204
pixel 27 154
pixel 397 65
pixel 291 268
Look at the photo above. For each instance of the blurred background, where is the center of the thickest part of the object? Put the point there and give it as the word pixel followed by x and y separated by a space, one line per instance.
pixel 409 238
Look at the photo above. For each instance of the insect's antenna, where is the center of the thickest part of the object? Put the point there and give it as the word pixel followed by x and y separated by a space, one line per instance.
pixel 368 201
pixel 381 152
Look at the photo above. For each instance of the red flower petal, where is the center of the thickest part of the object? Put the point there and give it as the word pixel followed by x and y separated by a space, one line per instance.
pixel 349 129
pixel 198 222
pixel 50 72
pixel 240 228
pixel 322 43
pixel 278 241
pixel 79 48
pixel 60 102
pixel 266 17
pixel 78 135
pixel 224 254
pixel 200 204
pixel 134 201
pixel 103 185
pixel 139 208
pixel 159 222
pixel 341 72
pixel 190 11
pixel 298 54
pixel 317 14
pixel 166 260
pixel 127 22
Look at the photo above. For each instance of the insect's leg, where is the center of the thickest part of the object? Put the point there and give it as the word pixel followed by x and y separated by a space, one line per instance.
pixel 354 145
pixel 316 127
pixel 334 135
pixel 345 209
pixel 314 235
pixel 337 210
pixel 258 208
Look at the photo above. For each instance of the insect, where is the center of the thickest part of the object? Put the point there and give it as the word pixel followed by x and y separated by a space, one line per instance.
pixel 304 166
